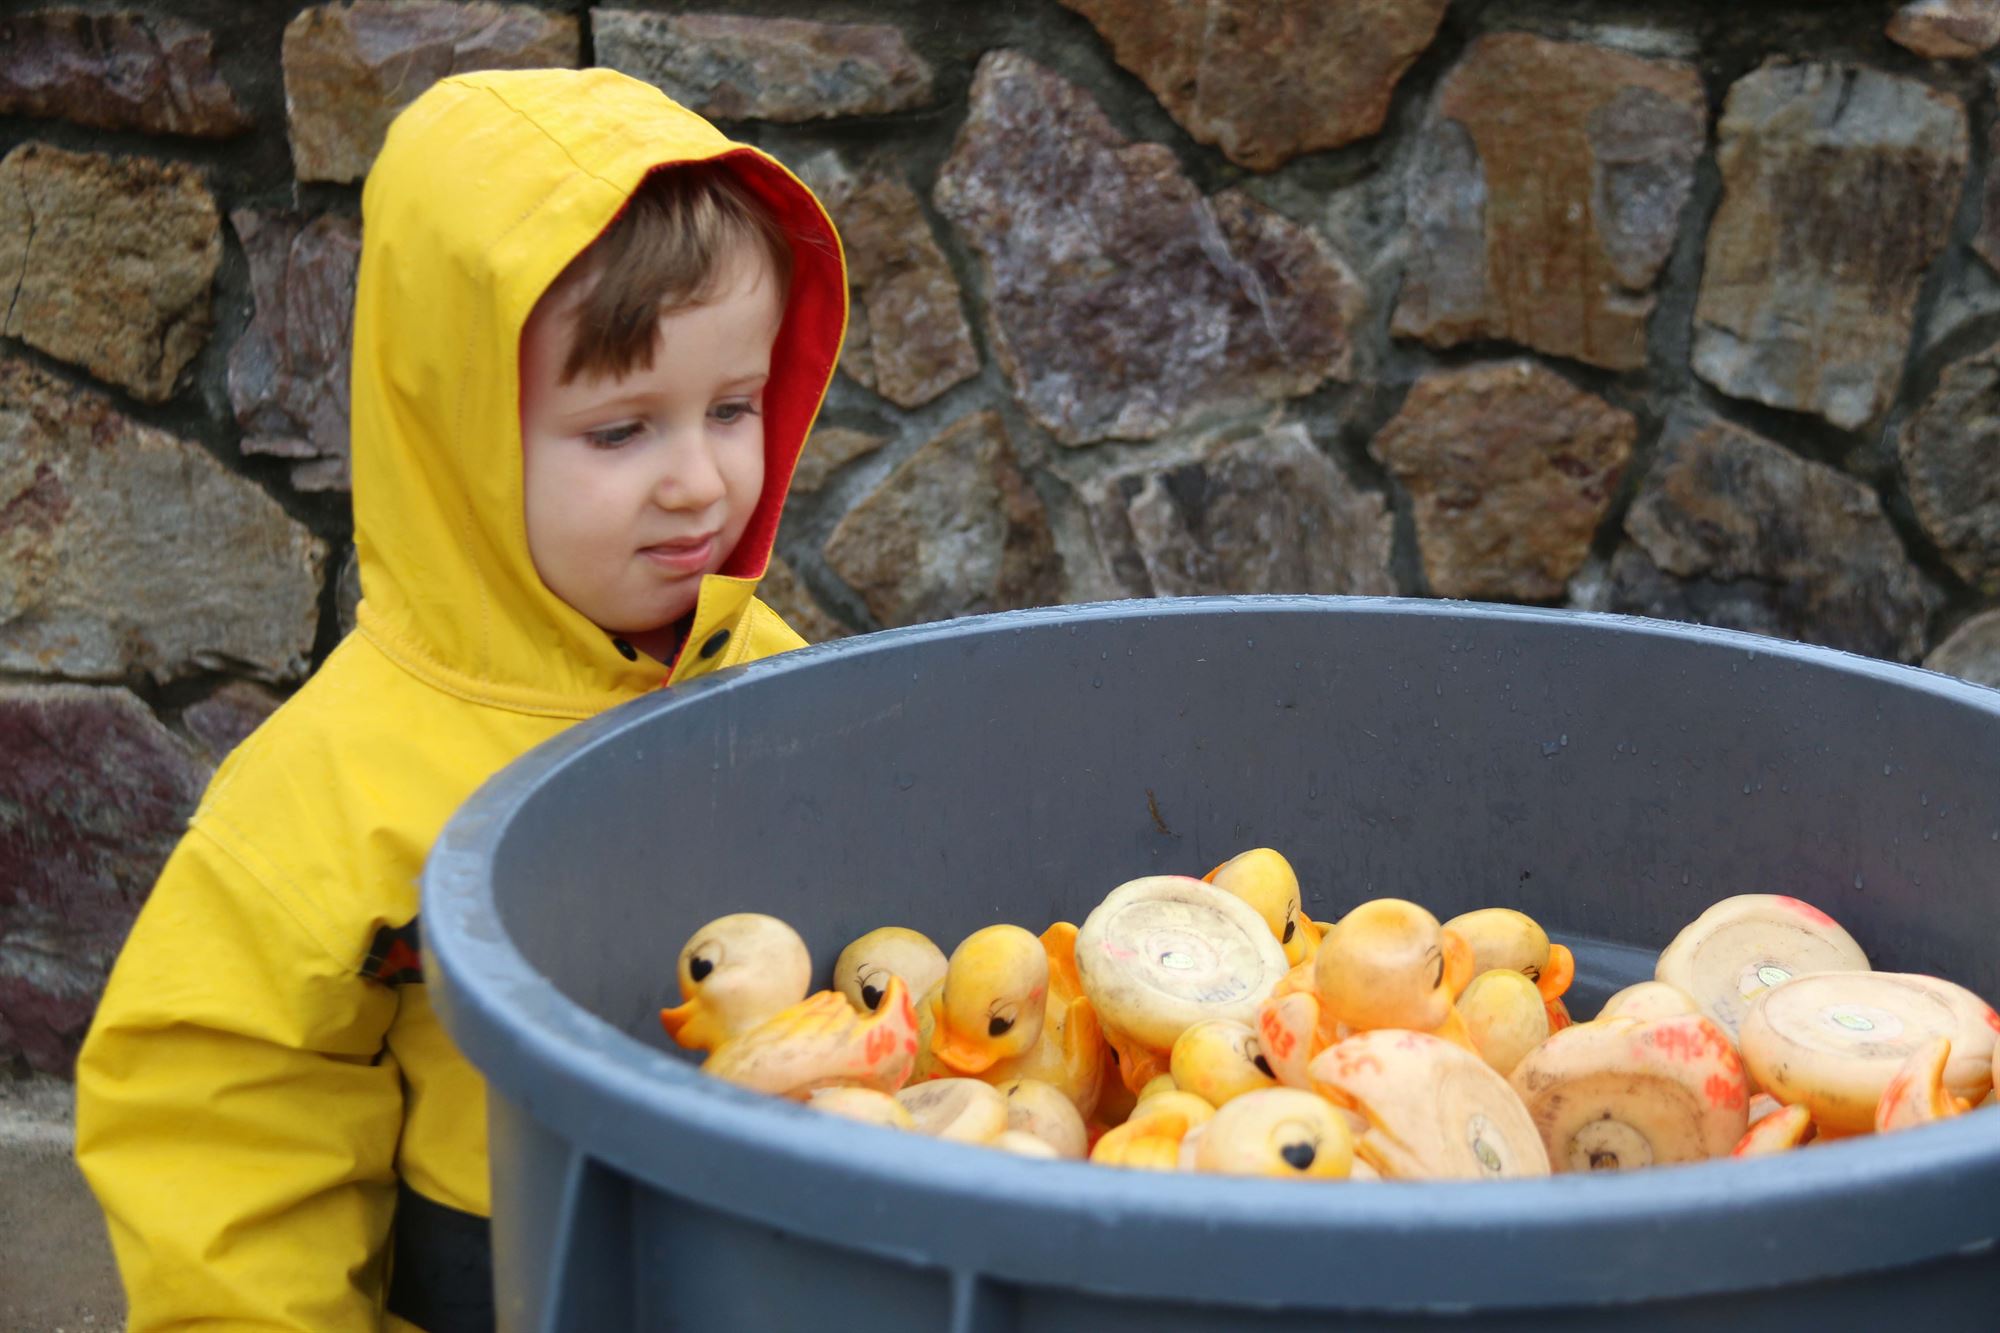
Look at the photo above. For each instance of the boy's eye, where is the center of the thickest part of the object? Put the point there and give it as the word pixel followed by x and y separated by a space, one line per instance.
pixel 727 413
pixel 610 437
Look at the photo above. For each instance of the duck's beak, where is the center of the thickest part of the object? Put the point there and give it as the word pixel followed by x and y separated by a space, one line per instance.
pixel 1557 973
pixel 690 1025
pixel 958 1054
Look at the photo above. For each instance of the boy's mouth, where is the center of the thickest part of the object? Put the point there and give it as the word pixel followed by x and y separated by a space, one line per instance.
pixel 686 556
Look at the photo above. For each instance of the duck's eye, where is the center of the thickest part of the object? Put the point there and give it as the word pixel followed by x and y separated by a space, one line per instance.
pixel 1437 978
pixel 699 968
pixel 998 1026
pixel 1300 1155
pixel 1531 972
pixel 1114 1055
pixel 1291 929
pixel 872 989
pixel 1263 1066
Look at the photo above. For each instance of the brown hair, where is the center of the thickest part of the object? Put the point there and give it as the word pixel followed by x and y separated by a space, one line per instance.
pixel 666 251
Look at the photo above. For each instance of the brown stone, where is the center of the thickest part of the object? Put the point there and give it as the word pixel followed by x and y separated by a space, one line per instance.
pixel 1972 652
pixel 1258 510
pixel 113 261
pixel 1122 303
pixel 1729 529
pixel 117 71
pixel 1510 468
pixel 1267 81
pixel 93 796
pixel 288 373
pixel 1548 195
pixel 1986 241
pixel 732 67
pixel 786 593
pixel 1950 449
pixel 1839 186
pixel 349 68
pixel 222 721
pixel 906 333
pixel 828 449
pixel 124 549
pixel 956 530
pixel 1947 29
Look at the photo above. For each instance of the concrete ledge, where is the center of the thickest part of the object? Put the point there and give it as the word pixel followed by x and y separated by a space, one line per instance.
pixel 56 1272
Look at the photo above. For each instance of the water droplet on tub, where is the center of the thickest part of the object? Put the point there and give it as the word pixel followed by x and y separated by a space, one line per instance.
pixel 1097 682
pixel 1857 879
pixel 1565 739
pixel 1746 789
pixel 1923 798
pixel 905 781
pixel 1885 770
pixel 1549 749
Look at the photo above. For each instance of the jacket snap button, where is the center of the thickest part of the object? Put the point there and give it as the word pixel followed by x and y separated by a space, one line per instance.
pixel 714 643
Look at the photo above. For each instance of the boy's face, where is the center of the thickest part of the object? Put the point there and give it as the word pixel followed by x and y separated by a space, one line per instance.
pixel 639 486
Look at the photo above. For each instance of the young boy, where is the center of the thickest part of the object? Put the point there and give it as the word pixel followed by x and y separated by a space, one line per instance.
pixel 591 335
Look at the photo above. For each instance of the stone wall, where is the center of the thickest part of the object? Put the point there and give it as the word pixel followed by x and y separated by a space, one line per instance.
pixel 1679 307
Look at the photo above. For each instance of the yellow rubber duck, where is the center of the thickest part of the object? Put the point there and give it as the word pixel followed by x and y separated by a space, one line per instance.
pixel 820 1042
pixel 993 1000
pixel 864 967
pixel 1281 1133
pixel 1501 937
pixel 1386 964
pixel 1070 1053
pixel 735 972
pixel 1150 1140
pixel 1220 1060
pixel 1263 878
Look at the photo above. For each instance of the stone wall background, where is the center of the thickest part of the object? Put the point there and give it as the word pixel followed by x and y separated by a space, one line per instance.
pixel 1677 307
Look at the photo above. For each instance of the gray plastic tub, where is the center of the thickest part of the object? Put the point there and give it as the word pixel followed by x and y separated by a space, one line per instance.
pixel 1610 776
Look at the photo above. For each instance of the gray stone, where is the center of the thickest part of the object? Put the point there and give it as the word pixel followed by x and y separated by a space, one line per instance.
pixel 347 591
pixel 1257 510
pixel 126 550
pixel 1266 82
pixel 1511 469
pixel 1122 303
pixel 827 450
pixel 1972 652
pixel 349 68
pixel 222 721
pixel 1549 227
pixel 116 71
pixel 906 333
pixel 1950 449
pixel 1947 29
pixel 1729 529
pixel 786 593
pixel 956 530
pixel 93 796
pixel 288 373
pixel 1839 186
pixel 1986 241
pixel 114 260
pixel 734 67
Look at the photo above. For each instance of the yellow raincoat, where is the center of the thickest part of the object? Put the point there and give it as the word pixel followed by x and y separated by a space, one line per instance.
pixel 279 1131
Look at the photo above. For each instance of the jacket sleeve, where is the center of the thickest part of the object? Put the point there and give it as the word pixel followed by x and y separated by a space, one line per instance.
pixel 237 1112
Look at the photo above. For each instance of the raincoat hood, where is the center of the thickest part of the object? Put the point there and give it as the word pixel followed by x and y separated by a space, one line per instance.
pixel 544 161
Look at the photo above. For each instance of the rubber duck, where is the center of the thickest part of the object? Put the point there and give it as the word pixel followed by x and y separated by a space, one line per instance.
pixel 1649 999
pixel 862 971
pixel 1165 952
pixel 1220 1060
pixel 867 1105
pixel 822 1041
pixel 1045 1112
pixel 1833 1041
pixel 1264 879
pixel 1916 1095
pixel 1280 1133
pixel 1386 964
pixel 1781 1131
pixel 736 972
pixel 963 1110
pixel 1742 946
pixel 1151 1139
pixel 1501 937
pixel 1428 1109
pixel 1621 1093
pixel 1070 1054
pixel 1506 1017
pixel 992 1002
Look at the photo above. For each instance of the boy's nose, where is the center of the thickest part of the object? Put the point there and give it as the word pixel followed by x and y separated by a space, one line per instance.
pixel 692 480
